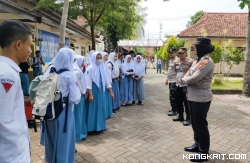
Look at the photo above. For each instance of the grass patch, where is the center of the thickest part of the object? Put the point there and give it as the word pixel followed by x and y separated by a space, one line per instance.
pixel 228 84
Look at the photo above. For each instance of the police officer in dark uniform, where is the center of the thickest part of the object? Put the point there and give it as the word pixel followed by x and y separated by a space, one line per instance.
pixel 171 80
pixel 181 67
pixel 199 94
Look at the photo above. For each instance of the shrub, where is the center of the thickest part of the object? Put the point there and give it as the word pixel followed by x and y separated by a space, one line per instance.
pixel 218 79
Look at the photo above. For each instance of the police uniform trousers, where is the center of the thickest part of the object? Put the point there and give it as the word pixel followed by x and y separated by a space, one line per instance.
pixel 199 112
pixel 172 96
pixel 181 98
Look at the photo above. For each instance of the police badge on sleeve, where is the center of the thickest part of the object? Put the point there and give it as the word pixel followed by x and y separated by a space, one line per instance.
pixel 7 84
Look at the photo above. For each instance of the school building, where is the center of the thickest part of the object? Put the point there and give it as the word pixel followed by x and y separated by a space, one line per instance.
pixel 45 26
pixel 220 27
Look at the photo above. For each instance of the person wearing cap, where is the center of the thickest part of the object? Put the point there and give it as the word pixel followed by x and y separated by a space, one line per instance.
pixel 171 80
pixel 199 94
pixel 181 67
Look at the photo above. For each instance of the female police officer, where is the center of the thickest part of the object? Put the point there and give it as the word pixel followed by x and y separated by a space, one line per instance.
pixel 199 95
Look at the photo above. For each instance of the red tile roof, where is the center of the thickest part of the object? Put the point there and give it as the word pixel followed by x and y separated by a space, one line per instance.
pixel 215 24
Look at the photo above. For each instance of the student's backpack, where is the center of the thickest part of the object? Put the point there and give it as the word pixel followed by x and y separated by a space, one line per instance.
pixel 33 86
pixel 48 102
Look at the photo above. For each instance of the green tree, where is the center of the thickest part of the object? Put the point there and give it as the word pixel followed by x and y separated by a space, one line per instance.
pixel 195 18
pixel 232 55
pixel 159 51
pixel 113 23
pixel 217 53
pixel 246 84
pixel 92 11
pixel 172 42
pixel 140 50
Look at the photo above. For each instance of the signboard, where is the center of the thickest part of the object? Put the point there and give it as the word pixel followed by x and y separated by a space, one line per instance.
pixel 49 44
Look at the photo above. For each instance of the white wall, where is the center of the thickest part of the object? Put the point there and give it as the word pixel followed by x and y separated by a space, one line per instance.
pixel 237 69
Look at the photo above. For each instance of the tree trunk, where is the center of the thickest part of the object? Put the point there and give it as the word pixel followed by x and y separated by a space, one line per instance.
pixel 246 84
pixel 92 29
pixel 63 24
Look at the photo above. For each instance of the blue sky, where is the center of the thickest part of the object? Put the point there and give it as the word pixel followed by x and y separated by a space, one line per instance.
pixel 175 14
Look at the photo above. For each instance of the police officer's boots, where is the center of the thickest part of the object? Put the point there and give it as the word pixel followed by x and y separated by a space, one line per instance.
pixel 187 122
pixel 179 118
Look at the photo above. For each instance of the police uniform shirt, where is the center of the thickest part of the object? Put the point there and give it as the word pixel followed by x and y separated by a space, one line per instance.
pixel 181 67
pixel 171 76
pixel 201 73
pixel 14 135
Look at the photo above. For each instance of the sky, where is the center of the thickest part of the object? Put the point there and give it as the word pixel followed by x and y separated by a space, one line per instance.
pixel 175 14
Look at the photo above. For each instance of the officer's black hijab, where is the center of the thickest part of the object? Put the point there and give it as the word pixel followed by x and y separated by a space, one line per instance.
pixel 203 47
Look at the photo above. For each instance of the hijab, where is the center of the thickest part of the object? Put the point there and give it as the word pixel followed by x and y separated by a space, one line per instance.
pixel 64 59
pixel 88 62
pixel 47 71
pixel 77 66
pixel 96 70
pixel 126 65
pixel 103 55
pixel 139 67
pixel 115 64
pixel 203 49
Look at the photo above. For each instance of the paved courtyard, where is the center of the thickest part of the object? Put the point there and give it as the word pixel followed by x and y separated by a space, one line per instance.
pixel 146 134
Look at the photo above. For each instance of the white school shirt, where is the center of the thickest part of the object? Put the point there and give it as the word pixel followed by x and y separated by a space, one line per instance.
pixel 112 72
pixel 14 134
pixel 69 86
pixel 35 60
pixel 159 62
pixel 81 85
pixel 108 70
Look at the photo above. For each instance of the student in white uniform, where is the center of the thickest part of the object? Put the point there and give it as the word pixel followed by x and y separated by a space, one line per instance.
pixel 60 145
pixel 16 41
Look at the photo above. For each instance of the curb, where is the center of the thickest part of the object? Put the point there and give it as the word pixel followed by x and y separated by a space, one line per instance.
pixel 228 91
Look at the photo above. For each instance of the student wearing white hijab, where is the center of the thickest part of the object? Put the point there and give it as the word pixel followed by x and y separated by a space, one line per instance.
pixel 47 70
pixel 126 90
pixel 139 93
pixel 115 72
pixel 97 82
pixel 108 100
pixel 60 145
pixel 80 111
pixel 88 62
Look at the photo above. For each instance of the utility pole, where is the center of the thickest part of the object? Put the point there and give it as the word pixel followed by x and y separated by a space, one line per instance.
pixel 160 30
pixel 63 24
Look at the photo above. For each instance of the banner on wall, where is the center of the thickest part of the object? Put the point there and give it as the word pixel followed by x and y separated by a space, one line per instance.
pixel 48 47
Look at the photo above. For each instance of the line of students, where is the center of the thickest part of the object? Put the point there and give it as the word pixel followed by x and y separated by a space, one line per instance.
pixel 131 81
pixel 87 91
pixel 94 85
